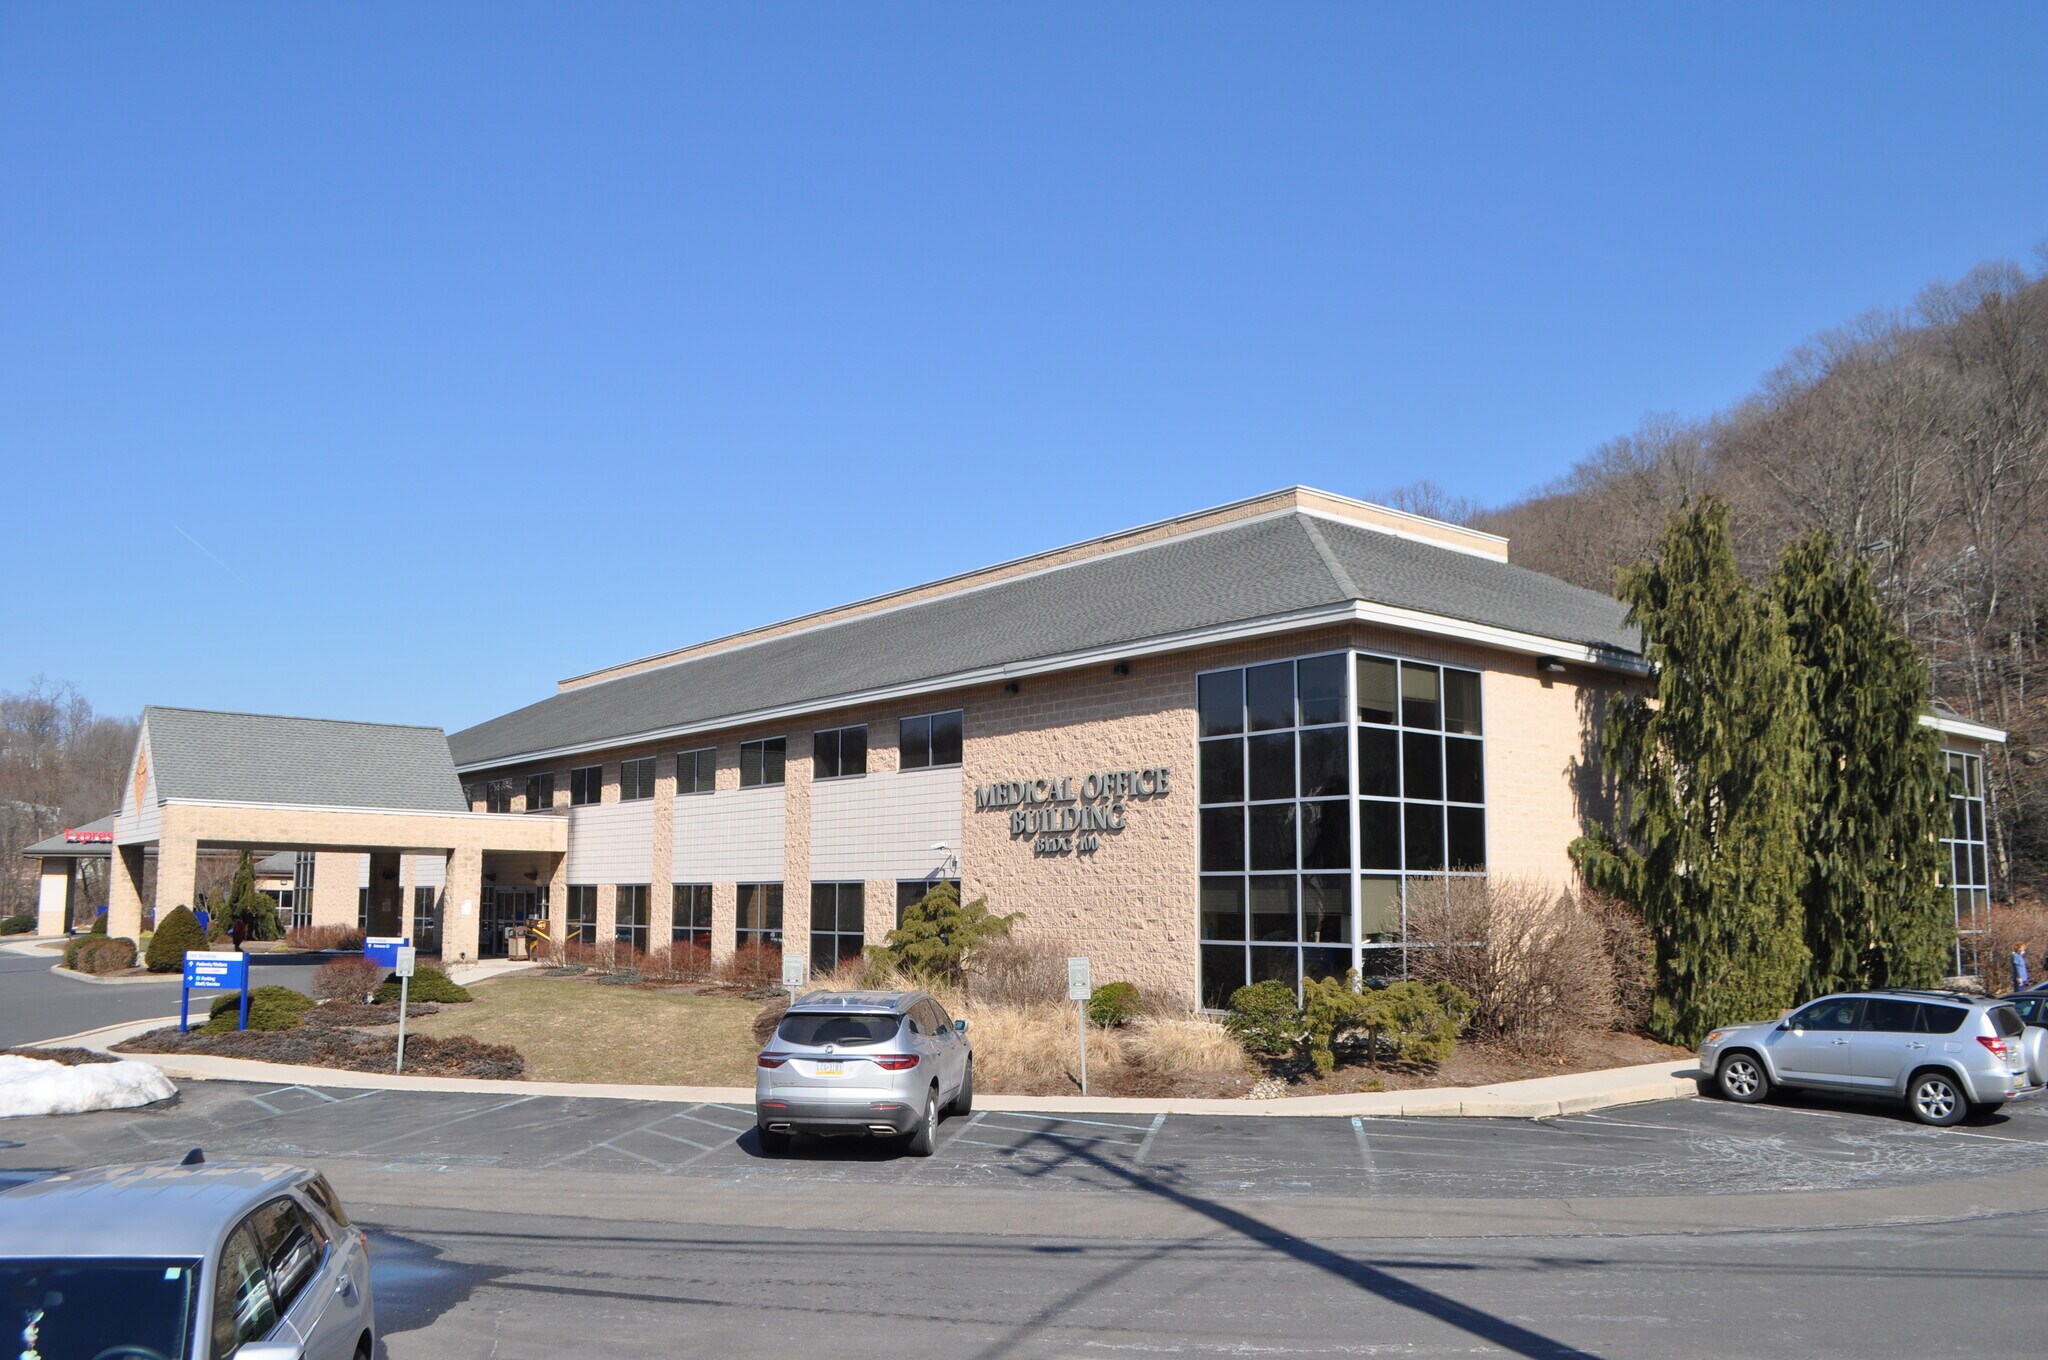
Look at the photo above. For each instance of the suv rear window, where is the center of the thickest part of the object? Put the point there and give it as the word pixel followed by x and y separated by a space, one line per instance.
pixel 2006 1021
pixel 808 1029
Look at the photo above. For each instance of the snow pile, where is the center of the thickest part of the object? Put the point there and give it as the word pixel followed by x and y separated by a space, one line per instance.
pixel 37 1086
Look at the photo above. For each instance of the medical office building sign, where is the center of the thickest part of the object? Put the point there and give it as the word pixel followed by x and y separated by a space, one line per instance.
pixel 1069 815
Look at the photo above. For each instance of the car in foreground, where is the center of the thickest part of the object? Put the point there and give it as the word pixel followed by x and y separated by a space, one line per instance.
pixel 1945 1054
pixel 888 1064
pixel 184 1261
pixel 2032 1006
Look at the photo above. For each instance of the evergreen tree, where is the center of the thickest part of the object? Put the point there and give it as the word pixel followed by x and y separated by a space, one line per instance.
pixel 244 903
pixel 1712 774
pixel 938 933
pixel 1875 912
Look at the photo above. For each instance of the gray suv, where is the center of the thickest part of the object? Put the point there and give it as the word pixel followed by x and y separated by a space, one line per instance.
pixel 1946 1054
pixel 888 1063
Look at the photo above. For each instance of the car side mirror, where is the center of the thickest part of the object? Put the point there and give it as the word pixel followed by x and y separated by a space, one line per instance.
pixel 271 1350
pixel 959 1026
pixel 1784 1024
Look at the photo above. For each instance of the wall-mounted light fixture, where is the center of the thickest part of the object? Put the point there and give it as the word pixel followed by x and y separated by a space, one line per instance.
pixel 490 878
pixel 390 874
pixel 1120 668
pixel 532 875
pixel 1010 688
pixel 1550 665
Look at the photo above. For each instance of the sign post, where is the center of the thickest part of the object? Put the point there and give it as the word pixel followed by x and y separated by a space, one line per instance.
pixel 1078 992
pixel 401 963
pixel 793 973
pixel 213 971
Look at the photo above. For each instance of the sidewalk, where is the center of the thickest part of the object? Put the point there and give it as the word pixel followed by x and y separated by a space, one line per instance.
pixel 1539 1098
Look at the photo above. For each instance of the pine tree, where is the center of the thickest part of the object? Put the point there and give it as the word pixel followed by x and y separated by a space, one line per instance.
pixel 244 903
pixel 1712 777
pixel 1875 912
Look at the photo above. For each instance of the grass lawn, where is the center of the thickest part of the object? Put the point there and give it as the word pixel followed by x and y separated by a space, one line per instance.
pixel 571 1030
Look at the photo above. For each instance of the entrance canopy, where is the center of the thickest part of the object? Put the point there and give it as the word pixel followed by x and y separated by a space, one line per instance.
pixel 202 780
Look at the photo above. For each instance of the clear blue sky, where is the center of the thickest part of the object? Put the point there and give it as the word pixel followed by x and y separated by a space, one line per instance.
pixel 393 360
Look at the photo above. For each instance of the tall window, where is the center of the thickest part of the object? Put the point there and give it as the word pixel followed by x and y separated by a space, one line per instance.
pixel 498 796
pixel 928 740
pixel 910 891
pixel 636 779
pixel 692 922
pixel 839 751
pixel 540 792
pixel 302 888
pixel 363 910
pixel 586 785
pixel 759 919
pixel 1968 870
pixel 697 771
pixel 838 923
pixel 582 925
pixel 1334 791
pixel 630 903
pixel 761 762
pixel 426 921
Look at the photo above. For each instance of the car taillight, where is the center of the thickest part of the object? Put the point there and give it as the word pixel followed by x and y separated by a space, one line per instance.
pixel 895 1062
pixel 771 1060
pixel 1997 1046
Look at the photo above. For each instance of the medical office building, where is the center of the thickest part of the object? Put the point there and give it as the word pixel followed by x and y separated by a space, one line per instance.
pixel 1235 745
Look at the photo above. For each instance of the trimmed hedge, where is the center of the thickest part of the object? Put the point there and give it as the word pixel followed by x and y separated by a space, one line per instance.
pixel 270 1008
pixel 176 933
pixel 101 955
pixel 428 984
pixel 1113 1004
pixel 17 925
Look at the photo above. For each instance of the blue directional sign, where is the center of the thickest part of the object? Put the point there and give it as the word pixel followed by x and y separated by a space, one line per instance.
pixel 382 950
pixel 213 971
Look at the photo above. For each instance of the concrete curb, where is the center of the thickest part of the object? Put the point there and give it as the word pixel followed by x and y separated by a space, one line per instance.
pixel 1537 1098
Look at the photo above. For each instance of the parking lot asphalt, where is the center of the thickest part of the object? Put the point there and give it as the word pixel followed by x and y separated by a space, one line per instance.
pixel 1686 1147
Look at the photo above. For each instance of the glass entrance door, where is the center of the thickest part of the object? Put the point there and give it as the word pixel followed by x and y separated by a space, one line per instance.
pixel 503 908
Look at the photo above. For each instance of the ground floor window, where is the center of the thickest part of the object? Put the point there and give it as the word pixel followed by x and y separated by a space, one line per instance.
pixel 759 919
pixel 363 910
pixel 913 890
pixel 692 923
pixel 582 913
pixel 302 888
pixel 1967 870
pixel 838 923
pixel 631 911
pixel 426 920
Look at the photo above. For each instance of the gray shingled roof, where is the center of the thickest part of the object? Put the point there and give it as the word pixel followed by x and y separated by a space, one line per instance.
pixel 57 845
pixel 1244 572
pixel 300 762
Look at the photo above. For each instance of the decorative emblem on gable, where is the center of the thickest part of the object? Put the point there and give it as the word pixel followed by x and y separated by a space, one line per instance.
pixel 141 775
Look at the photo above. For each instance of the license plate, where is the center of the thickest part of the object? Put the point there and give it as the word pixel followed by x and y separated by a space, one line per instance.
pixel 831 1069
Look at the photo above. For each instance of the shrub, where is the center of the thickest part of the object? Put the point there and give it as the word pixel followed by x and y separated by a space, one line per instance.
pixel 1027 1049
pixel 623 977
pixel 1014 972
pixel 105 956
pixel 346 979
pixel 1182 1047
pixel 1533 962
pixel 1265 1018
pixel 1631 955
pixel 753 965
pixel 244 903
pixel 319 939
pixel 2011 923
pixel 1412 1022
pixel 176 933
pixel 938 934
pixel 17 925
pixel 428 984
pixel 99 923
pixel 270 1008
pixel 1113 1004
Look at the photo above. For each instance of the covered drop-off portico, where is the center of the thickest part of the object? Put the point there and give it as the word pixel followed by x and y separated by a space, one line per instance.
pixel 202 781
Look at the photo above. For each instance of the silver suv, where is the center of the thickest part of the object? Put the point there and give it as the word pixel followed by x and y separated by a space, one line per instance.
pixel 887 1063
pixel 1946 1054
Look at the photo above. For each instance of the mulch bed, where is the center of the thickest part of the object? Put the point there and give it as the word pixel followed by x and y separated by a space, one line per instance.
pixel 348 1036
pixel 1486 1064
pixel 70 1057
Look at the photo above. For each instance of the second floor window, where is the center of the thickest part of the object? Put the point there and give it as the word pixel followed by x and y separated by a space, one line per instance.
pixel 540 792
pixel 697 771
pixel 636 779
pixel 761 762
pixel 586 785
pixel 839 751
pixel 498 796
pixel 929 739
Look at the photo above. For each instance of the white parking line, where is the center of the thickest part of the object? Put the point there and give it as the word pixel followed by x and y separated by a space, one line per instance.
pixel 1067 1119
pixel 1364 1148
pixel 429 1128
pixel 1145 1148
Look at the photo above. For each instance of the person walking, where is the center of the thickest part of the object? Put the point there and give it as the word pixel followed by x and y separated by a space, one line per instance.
pixel 2020 976
pixel 238 931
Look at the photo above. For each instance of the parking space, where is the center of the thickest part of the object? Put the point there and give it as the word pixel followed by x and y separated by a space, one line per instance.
pixel 1676 1147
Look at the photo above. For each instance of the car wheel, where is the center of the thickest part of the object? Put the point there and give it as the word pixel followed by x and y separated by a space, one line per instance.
pixel 773 1142
pixel 1741 1078
pixel 1936 1099
pixel 364 1350
pixel 964 1102
pixel 927 1131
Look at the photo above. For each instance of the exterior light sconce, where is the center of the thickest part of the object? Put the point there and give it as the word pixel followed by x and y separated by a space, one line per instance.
pixel 390 874
pixel 1549 665
pixel 1120 668
pixel 532 875
pixel 490 878
pixel 1010 688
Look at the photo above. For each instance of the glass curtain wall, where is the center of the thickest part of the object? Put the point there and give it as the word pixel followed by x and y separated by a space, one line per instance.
pixel 1337 792
pixel 1968 870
